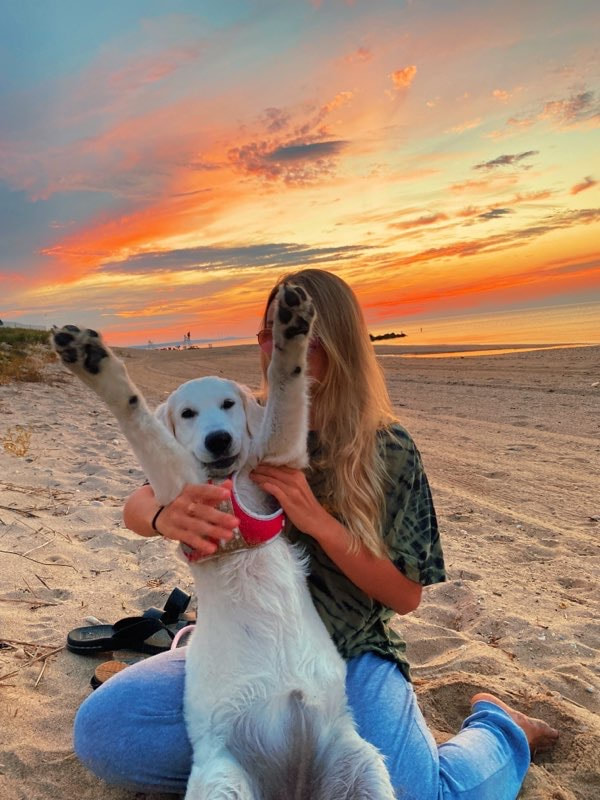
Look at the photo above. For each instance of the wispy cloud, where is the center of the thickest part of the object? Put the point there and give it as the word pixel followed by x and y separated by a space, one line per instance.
pixel 506 160
pixel 575 111
pixel 576 108
pixel 341 99
pixel 516 199
pixel 503 241
pixel 275 119
pixel 493 182
pixel 501 94
pixel 586 183
pixel 465 126
pixel 419 222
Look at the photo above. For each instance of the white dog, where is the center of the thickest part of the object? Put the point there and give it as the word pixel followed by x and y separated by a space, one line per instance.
pixel 265 702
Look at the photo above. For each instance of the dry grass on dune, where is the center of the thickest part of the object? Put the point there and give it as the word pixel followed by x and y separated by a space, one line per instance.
pixel 23 355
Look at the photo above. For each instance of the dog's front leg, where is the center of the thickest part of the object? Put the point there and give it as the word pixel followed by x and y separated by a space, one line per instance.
pixel 285 425
pixel 166 464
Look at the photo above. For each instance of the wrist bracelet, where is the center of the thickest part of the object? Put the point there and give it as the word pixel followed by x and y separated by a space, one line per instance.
pixel 154 518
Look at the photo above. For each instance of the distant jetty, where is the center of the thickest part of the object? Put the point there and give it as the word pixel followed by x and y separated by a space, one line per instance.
pixel 383 336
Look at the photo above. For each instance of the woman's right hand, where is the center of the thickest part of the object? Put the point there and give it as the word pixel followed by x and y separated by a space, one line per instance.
pixel 192 517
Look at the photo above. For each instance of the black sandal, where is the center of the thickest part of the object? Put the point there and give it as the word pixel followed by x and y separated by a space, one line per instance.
pixel 140 634
pixel 150 634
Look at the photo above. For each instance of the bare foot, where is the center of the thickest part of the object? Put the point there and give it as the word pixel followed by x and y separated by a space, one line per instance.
pixel 540 735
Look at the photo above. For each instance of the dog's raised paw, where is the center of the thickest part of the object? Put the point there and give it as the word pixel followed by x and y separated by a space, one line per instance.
pixel 78 348
pixel 295 311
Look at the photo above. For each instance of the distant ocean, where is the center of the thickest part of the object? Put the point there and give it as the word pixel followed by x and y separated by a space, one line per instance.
pixel 565 324
pixel 576 323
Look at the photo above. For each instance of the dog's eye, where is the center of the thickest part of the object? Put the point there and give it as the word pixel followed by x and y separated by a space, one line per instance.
pixel 188 413
pixel 228 404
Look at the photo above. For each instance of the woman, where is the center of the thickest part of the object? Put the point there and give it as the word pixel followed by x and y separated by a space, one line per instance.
pixel 365 515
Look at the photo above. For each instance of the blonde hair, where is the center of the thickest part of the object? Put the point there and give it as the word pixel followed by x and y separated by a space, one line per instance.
pixel 348 407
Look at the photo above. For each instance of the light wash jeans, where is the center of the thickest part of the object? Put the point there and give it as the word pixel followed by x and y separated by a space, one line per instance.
pixel 131 732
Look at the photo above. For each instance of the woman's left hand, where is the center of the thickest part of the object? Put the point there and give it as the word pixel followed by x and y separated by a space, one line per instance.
pixel 290 488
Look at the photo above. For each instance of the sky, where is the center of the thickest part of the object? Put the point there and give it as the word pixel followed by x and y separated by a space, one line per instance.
pixel 163 164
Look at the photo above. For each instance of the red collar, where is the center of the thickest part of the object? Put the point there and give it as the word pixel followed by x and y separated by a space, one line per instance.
pixel 254 530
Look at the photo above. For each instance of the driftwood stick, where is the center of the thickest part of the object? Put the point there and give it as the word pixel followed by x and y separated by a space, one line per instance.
pixel 60 760
pixel 19 511
pixel 26 553
pixel 41 580
pixel 27 644
pixel 32 602
pixel 33 660
pixel 43 563
pixel 39 677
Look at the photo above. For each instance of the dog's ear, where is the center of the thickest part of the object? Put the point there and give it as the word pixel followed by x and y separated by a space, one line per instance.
pixel 163 414
pixel 254 412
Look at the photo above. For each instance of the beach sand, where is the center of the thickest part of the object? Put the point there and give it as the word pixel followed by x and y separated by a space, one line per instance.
pixel 511 444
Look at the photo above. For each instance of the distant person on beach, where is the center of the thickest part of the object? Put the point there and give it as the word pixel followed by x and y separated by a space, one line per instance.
pixel 365 515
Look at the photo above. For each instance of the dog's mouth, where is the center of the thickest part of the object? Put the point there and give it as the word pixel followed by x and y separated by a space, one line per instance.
pixel 220 465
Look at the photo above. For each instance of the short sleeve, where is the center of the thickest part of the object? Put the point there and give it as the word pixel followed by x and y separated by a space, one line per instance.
pixel 410 525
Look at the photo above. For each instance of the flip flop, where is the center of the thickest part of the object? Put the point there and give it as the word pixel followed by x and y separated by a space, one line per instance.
pixel 140 634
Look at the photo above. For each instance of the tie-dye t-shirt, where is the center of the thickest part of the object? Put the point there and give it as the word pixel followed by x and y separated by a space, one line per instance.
pixel 356 622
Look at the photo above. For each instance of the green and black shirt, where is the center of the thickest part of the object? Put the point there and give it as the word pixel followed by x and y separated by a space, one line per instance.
pixel 356 622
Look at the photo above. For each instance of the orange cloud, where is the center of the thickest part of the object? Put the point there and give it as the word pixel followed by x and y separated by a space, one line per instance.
pixel 430 219
pixel 485 184
pixel 587 183
pixel 402 78
pixel 341 99
pixel 518 198
pixel 465 126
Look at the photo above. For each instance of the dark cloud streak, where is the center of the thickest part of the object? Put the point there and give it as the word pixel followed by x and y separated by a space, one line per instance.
pixel 301 152
pixel 204 259
pixel 506 160
pixel 494 213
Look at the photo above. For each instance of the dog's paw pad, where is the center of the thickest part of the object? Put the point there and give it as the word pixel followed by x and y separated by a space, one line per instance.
pixel 295 311
pixel 77 348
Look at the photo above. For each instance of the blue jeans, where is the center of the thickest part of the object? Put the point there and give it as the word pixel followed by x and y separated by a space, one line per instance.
pixel 131 732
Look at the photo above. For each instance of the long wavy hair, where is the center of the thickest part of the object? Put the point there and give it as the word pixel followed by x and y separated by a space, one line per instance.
pixel 348 406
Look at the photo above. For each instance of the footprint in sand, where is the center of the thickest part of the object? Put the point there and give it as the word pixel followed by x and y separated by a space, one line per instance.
pixel 576 583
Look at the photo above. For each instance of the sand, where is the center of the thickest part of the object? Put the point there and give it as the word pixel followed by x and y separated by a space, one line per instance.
pixel 512 449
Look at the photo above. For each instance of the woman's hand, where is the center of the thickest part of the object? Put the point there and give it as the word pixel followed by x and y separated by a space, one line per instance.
pixel 290 488
pixel 377 577
pixel 192 517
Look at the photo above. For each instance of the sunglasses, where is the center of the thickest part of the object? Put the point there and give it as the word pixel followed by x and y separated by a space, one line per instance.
pixel 265 341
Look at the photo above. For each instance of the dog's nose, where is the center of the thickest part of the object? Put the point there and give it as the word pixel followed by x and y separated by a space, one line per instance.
pixel 218 442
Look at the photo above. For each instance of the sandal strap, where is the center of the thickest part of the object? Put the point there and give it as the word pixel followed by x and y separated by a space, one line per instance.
pixel 134 631
pixel 175 607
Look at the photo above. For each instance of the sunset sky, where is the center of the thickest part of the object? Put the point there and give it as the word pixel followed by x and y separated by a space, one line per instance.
pixel 163 163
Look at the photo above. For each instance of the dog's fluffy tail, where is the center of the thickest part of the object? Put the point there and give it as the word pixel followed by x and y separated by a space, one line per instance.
pixel 276 741
pixel 292 752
